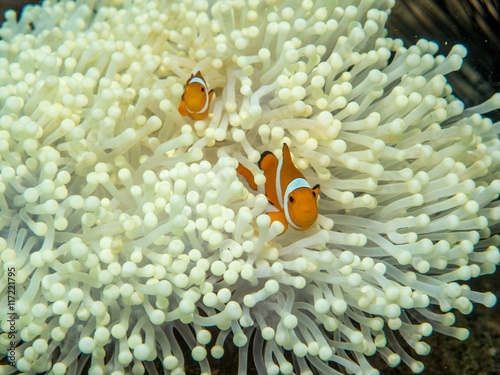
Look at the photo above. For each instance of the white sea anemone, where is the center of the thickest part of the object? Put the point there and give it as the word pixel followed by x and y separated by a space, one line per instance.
pixel 126 222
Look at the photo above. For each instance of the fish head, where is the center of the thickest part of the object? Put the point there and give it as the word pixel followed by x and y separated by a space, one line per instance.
pixel 303 206
pixel 195 96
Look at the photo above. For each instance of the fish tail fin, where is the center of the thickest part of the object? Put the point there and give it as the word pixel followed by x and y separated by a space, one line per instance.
pixel 245 172
pixel 267 160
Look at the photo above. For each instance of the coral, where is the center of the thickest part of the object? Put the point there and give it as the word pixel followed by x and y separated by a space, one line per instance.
pixel 127 224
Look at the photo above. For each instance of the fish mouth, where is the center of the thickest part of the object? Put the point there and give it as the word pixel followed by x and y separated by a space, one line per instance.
pixel 306 218
pixel 310 212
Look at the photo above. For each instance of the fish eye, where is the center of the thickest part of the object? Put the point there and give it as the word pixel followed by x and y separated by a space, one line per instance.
pixel 202 89
pixel 290 198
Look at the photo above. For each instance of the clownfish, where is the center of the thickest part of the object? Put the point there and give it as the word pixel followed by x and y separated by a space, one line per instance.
pixel 287 190
pixel 196 98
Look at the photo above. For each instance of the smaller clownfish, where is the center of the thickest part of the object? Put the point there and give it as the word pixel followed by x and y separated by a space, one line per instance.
pixel 287 190
pixel 196 98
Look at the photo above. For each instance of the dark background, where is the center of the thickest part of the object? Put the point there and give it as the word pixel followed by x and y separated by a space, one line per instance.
pixel 473 23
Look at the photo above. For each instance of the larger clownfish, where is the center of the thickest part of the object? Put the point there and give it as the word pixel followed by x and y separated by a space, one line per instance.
pixel 286 189
pixel 196 98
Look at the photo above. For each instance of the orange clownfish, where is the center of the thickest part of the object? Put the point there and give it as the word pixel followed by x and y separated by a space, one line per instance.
pixel 287 190
pixel 196 98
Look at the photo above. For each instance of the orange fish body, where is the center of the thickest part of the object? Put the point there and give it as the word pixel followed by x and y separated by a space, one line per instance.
pixel 195 101
pixel 287 189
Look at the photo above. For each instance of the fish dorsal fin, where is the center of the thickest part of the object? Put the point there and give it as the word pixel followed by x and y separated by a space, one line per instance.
pixel 287 172
pixel 189 80
pixel 262 156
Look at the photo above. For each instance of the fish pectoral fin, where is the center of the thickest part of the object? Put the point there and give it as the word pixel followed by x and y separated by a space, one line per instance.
pixel 198 116
pixel 279 216
pixel 210 95
pixel 302 229
pixel 182 108
pixel 316 191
